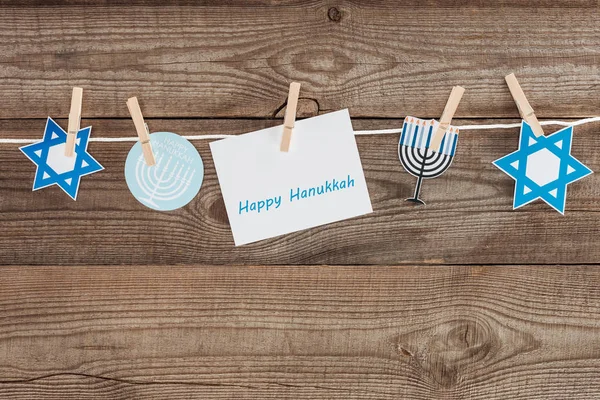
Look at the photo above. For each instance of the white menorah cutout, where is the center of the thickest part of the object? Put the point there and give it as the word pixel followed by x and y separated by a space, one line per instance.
pixel 160 184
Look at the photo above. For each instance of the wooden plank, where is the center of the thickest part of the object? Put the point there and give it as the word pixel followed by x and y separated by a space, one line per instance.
pixel 476 332
pixel 378 58
pixel 468 218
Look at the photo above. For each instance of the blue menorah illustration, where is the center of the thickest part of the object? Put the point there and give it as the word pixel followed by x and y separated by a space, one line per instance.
pixel 416 156
pixel 162 182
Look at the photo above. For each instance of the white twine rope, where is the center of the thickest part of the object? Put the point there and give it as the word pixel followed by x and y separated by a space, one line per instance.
pixel 367 132
pixel 483 127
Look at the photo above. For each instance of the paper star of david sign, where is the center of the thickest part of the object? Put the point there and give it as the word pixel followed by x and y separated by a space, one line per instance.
pixel 53 167
pixel 542 167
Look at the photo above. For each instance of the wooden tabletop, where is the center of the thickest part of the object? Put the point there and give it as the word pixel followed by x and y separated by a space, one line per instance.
pixel 463 298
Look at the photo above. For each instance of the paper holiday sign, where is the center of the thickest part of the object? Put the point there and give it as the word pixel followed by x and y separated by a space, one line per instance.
pixel 175 179
pixel 53 167
pixel 268 192
pixel 418 157
pixel 542 167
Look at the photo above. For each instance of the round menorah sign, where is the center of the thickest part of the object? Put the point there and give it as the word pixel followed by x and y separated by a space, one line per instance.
pixel 173 181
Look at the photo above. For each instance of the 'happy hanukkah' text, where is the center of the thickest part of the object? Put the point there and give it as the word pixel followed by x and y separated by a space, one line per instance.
pixel 295 194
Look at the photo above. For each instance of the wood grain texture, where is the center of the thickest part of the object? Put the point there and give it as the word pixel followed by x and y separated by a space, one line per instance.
pixel 234 59
pixel 468 218
pixel 105 299
pixel 463 332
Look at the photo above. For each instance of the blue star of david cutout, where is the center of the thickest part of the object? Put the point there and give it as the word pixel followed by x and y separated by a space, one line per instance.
pixel 542 167
pixel 53 167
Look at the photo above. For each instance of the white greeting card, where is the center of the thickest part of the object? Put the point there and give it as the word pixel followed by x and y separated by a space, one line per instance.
pixel 268 192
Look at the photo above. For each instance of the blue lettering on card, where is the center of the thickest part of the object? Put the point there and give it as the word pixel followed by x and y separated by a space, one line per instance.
pixel 296 194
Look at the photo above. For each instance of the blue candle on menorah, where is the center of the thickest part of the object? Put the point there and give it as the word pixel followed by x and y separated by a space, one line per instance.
pixel 423 155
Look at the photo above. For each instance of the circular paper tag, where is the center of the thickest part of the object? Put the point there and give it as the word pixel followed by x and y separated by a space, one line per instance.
pixel 175 179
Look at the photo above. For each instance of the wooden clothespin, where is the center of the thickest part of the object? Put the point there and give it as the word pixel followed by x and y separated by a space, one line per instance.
pixel 142 130
pixel 447 115
pixel 523 105
pixel 74 121
pixel 290 116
